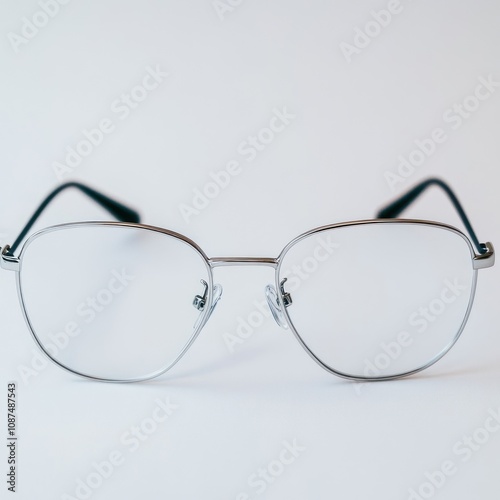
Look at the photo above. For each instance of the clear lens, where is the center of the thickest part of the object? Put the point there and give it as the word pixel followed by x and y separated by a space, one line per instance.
pixel 379 300
pixel 113 302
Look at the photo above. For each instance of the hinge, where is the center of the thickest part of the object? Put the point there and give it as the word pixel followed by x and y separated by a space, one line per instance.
pixel 8 262
pixel 486 259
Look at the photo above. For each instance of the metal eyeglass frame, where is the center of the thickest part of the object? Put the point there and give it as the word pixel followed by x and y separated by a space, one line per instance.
pixel 482 254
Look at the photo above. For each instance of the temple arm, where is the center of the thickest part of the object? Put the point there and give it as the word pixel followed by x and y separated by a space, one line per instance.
pixel 399 205
pixel 116 209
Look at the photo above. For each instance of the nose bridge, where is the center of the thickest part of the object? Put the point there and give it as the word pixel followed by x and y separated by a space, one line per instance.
pixel 243 261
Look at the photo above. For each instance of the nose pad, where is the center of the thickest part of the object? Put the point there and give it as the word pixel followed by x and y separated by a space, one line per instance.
pixel 217 294
pixel 200 303
pixel 274 305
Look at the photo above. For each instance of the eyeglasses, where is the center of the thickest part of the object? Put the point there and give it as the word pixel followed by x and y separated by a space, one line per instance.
pixel 368 300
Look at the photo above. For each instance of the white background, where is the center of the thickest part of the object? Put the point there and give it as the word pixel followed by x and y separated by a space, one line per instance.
pixel 352 121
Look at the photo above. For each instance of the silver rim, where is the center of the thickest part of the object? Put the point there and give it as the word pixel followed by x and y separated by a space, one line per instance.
pixel 445 350
pixel 166 232
pixel 275 263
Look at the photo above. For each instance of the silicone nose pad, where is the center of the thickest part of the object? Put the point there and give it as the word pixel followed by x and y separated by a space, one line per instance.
pixel 216 295
pixel 274 305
